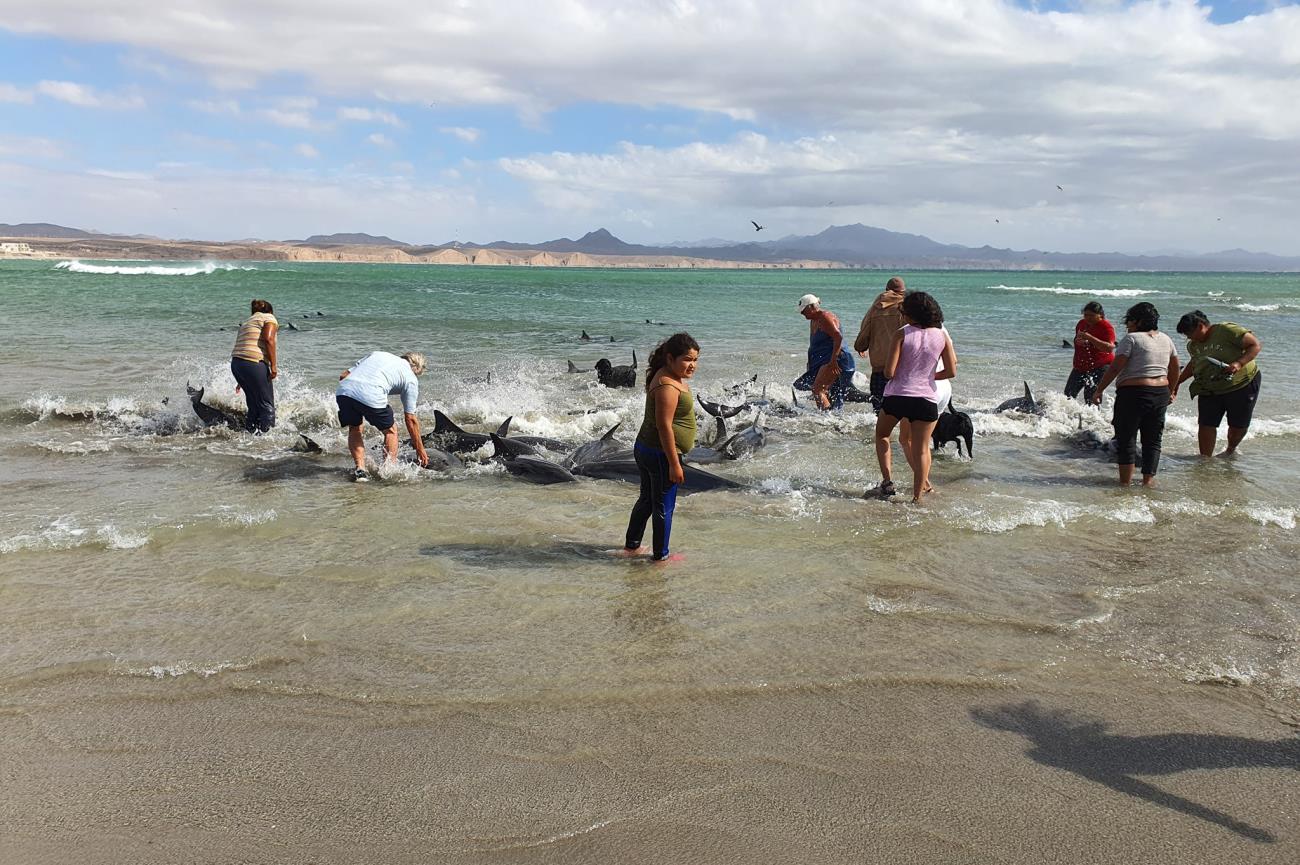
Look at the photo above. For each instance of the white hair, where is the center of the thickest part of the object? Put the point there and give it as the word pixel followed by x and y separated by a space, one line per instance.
pixel 416 360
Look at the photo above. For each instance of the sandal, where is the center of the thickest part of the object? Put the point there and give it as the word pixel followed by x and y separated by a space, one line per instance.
pixel 885 490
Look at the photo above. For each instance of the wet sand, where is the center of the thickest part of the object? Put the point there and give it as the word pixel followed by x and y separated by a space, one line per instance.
pixel 859 773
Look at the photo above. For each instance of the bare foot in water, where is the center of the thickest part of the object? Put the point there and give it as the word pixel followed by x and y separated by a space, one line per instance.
pixel 629 554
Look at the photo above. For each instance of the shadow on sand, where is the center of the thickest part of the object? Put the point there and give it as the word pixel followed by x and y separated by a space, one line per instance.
pixel 553 555
pixel 1084 747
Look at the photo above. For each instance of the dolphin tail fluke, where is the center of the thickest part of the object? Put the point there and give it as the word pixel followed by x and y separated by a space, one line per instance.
pixel 504 429
pixel 719 429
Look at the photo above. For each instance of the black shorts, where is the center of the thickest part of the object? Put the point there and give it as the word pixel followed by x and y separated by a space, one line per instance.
pixel 912 408
pixel 1238 405
pixel 352 412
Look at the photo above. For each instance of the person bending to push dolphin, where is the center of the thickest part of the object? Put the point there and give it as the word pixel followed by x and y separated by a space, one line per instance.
pixel 830 366
pixel 667 432
pixel 910 396
pixel 363 393
pixel 253 364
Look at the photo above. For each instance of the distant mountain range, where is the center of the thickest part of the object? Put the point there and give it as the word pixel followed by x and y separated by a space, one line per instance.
pixel 853 245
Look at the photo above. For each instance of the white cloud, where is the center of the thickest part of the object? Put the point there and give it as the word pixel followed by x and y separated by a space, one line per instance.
pixel 88 97
pixel 19 146
pixel 287 119
pixel 306 150
pixel 10 93
pixel 370 115
pixel 215 106
pixel 465 133
pixel 379 139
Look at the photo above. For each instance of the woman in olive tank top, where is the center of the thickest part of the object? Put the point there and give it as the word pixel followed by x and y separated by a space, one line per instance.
pixel 667 432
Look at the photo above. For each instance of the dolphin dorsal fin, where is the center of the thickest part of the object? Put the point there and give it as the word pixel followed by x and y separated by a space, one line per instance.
pixel 794 398
pixel 504 429
pixel 609 435
pixel 496 446
pixel 1029 396
pixel 572 368
pixel 633 358
pixel 444 424
pixel 585 336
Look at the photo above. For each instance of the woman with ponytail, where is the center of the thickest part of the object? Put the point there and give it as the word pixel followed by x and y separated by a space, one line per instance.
pixel 667 432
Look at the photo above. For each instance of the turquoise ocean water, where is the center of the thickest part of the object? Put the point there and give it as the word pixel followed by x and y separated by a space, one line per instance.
pixel 135 544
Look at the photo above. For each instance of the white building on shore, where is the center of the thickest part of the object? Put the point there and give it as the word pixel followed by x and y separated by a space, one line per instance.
pixel 15 248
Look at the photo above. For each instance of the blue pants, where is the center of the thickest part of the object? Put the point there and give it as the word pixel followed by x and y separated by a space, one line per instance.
pixel 656 503
pixel 254 377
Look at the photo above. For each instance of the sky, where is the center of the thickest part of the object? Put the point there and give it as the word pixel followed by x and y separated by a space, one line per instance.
pixel 1079 125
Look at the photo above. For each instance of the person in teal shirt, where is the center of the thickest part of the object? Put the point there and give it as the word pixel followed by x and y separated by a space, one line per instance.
pixel 1224 377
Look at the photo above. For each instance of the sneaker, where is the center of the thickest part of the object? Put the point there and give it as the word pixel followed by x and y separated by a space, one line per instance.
pixel 360 476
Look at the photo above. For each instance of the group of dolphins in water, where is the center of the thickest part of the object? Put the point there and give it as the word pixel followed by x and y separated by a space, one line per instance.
pixel 524 456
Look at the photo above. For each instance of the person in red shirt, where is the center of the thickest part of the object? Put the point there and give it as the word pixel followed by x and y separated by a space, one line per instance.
pixel 1094 349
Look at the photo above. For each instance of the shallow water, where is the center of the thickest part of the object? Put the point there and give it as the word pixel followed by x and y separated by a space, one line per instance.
pixel 135 544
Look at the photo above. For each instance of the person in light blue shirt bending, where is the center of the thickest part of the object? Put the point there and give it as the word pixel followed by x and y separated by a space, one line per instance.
pixel 363 394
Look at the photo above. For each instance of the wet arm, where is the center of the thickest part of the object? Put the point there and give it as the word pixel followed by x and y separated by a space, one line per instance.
pixel 269 331
pixel 949 357
pixel 413 429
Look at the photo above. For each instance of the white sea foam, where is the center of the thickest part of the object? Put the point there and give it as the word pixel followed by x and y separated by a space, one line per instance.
pixel 1258 307
pixel 248 518
pixel 1283 518
pixel 178 669
pixel 1092 292
pixel 207 267
pixel 65 533
pixel 75 448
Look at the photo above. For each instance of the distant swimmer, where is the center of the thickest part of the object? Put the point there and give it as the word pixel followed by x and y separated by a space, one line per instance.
pixel 363 393
pixel 757 227
pixel 253 364
pixel 667 432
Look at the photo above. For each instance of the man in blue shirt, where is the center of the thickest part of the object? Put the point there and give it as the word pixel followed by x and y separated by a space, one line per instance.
pixel 363 394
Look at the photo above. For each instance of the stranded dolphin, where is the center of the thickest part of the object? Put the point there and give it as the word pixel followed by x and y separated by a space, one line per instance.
pixel 697 479
pixel 1026 403
pixel 594 451
pixel 210 415
pixel 531 468
pixel 453 438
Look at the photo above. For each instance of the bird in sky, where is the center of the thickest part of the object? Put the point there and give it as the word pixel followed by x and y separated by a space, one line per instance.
pixel 757 227
pixel 998 221
pixel 1058 186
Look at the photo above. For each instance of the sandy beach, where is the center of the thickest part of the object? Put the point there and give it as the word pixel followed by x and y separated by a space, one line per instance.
pixel 864 772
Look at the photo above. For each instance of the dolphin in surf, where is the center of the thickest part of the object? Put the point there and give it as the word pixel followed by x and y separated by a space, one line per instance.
pixel 697 479
pixel 594 451
pixel 573 369
pixel 452 438
pixel 533 469
pixel 1026 404
pixel 210 415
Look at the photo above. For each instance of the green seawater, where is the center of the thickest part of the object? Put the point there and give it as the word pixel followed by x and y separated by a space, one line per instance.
pixel 133 542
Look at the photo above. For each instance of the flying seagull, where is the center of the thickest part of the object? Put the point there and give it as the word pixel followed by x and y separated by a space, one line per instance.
pixel 757 227
pixel 1058 186
pixel 998 221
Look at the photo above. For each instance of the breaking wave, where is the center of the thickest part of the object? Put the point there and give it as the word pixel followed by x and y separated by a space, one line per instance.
pixel 1097 292
pixel 205 268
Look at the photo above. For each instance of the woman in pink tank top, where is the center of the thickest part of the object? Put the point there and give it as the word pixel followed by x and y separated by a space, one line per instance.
pixel 910 396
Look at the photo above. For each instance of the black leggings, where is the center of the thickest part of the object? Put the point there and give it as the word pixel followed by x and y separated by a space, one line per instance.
pixel 254 376
pixel 656 503
pixel 1140 409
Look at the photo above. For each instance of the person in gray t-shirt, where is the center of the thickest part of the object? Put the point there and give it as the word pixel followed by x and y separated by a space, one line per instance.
pixel 1145 372
pixel 363 394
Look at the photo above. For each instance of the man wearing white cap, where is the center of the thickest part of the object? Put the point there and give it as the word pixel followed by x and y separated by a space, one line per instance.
pixel 830 366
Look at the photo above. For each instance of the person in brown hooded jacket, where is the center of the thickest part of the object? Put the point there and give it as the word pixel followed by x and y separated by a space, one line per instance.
pixel 876 334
